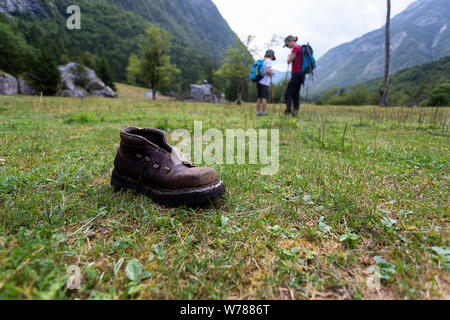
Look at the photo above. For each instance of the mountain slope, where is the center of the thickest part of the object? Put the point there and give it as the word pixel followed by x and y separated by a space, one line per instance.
pixel 424 85
pixel 413 86
pixel 111 30
pixel 195 22
pixel 198 22
pixel 419 34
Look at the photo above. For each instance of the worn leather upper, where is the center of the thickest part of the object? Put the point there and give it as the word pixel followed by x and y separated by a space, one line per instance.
pixel 145 155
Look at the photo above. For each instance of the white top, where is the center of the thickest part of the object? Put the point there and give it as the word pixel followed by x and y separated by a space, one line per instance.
pixel 267 64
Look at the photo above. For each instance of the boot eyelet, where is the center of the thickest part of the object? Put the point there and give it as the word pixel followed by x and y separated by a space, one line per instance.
pixel 166 170
pixel 148 159
pixel 139 156
pixel 156 166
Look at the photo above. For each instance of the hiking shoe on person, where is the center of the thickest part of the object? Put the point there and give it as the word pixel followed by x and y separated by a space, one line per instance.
pixel 264 114
pixel 147 164
pixel 287 113
pixel 258 114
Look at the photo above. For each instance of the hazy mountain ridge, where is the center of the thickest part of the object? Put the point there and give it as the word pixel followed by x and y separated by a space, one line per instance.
pixel 419 34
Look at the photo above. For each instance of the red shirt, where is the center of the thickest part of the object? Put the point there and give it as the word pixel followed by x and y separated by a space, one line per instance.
pixel 298 61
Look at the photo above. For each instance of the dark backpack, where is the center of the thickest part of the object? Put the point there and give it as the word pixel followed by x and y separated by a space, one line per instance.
pixel 309 63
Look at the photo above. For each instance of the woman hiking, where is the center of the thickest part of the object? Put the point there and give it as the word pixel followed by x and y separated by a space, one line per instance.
pixel 298 77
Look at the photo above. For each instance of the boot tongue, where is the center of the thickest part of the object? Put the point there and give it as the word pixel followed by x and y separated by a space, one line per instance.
pixel 162 143
pixel 151 136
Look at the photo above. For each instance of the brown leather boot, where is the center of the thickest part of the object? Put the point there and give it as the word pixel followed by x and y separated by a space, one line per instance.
pixel 146 163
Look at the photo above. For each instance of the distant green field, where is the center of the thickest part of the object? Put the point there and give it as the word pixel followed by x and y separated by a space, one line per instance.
pixel 340 206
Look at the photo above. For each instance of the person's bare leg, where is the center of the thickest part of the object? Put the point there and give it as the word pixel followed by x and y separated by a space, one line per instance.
pixel 264 106
pixel 258 107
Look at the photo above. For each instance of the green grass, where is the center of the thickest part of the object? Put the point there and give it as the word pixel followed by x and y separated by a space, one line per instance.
pixel 337 206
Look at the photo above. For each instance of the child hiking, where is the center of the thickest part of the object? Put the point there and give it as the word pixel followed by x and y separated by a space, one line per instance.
pixel 263 85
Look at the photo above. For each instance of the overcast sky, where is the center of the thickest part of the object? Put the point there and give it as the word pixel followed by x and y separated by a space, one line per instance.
pixel 323 23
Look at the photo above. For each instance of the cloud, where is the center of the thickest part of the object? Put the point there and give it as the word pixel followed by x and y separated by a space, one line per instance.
pixel 323 23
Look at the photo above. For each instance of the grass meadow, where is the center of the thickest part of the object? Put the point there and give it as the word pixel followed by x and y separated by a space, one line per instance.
pixel 359 189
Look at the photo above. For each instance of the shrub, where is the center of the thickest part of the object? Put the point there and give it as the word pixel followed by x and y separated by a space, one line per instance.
pixel 440 96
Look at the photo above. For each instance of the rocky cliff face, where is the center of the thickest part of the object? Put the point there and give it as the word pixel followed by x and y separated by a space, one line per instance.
pixel 419 34
pixel 21 6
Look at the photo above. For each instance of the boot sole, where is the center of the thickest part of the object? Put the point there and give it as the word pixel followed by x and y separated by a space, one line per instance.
pixel 169 197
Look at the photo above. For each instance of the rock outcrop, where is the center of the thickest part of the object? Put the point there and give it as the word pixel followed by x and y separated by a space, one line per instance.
pixel 25 88
pixel 8 84
pixel 206 93
pixel 78 81
pixel 22 6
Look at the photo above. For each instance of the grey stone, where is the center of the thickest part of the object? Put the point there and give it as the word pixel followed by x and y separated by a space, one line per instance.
pixel 149 94
pixel 77 92
pixel 80 81
pixel 25 88
pixel 8 84
pixel 206 93
pixel 201 92
pixel 105 92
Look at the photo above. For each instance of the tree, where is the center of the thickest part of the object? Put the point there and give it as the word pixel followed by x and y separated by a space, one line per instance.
pixel 87 59
pixel 133 69
pixel 384 95
pixel 236 68
pixel 44 72
pixel 440 96
pixel 154 66
pixel 16 55
pixel 104 72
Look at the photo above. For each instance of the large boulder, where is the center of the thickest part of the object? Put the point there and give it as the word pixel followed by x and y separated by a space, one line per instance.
pixel 202 92
pixel 106 92
pixel 25 88
pixel 79 81
pixel 149 94
pixel 8 84
pixel 206 93
pixel 76 92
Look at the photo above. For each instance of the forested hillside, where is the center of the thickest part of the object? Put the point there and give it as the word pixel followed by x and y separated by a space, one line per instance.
pixel 111 32
pixel 195 22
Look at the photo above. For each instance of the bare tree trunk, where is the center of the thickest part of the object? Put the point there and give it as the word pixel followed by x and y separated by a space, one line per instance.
pixel 153 92
pixel 239 95
pixel 384 101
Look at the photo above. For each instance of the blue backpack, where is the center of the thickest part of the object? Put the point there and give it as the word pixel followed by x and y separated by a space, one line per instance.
pixel 257 71
pixel 309 63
